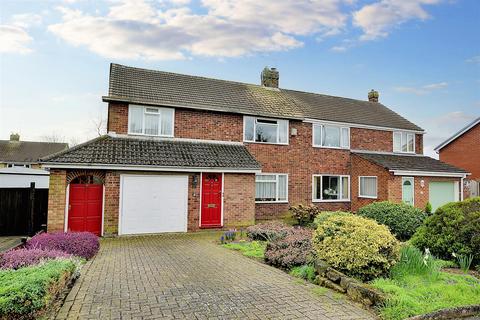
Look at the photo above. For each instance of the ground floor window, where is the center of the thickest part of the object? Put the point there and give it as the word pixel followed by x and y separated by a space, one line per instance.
pixel 367 187
pixel 271 187
pixel 331 188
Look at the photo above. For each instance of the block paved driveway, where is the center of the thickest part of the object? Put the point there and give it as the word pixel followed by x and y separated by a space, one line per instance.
pixel 189 277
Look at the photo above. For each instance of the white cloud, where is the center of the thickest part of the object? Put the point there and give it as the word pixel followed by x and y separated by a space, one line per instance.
pixel 377 19
pixel 26 20
pixel 475 60
pixel 14 39
pixel 339 48
pixel 138 30
pixel 423 89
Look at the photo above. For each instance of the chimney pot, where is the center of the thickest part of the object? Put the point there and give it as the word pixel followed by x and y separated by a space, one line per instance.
pixel 14 137
pixel 373 96
pixel 270 77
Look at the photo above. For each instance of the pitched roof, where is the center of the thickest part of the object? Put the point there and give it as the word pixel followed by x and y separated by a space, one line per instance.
pixel 135 85
pixel 409 163
pixel 27 151
pixel 148 152
pixel 458 134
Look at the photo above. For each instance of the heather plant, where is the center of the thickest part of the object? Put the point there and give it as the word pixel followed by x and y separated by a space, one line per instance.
pixel 15 259
pixel 81 244
pixel 454 227
pixel 304 214
pixel 402 219
pixel 357 246
pixel 295 249
pixel 268 231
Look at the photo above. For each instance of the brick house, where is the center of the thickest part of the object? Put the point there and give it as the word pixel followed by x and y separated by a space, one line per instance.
pixel 463 151
pixel 184 153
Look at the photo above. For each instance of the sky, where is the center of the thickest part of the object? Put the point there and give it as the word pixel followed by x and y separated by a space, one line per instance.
pixel 423 56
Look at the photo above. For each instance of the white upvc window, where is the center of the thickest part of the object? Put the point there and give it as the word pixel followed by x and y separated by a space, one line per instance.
pixel 264 130
pixel 403 142
pixel 17 165
pixel 367 187
pixel 331 188
pixel 151 121
pixel 331 136
pixel 271 187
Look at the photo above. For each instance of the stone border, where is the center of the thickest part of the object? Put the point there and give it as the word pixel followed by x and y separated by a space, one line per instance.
pixel 450 313
pixel 354 289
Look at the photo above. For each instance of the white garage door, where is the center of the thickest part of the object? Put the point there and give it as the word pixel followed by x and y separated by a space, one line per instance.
pixel 153 203
pixel 442 193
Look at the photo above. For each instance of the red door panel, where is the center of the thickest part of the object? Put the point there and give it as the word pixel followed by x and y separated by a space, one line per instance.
pixel 85 208
pixel 211 200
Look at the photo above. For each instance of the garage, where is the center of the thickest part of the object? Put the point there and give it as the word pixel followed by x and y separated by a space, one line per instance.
pixel 441 193
pixel 153 203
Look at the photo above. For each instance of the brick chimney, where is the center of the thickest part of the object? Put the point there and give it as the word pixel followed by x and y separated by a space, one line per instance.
pixel 14 137
pixel 373 96
pixel 270 77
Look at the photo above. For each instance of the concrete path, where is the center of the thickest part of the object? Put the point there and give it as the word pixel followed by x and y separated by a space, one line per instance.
pixel 189 277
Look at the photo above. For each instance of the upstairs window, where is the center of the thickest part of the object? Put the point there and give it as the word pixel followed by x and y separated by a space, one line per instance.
pixel 331 188
pixel 150 121
pixel 264 130
pixel 271 188
pixel 403 142
pixel 330 136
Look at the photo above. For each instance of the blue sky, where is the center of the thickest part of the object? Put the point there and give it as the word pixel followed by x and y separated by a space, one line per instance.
pixel 423 56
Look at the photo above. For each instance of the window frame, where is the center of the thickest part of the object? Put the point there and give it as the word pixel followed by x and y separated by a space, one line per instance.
pixel 145 107
pixel 276 187
pixel 320 126
pixel 407 134
pixel 18 165
pixel 255 130
pixel 340 176
pixel 359 187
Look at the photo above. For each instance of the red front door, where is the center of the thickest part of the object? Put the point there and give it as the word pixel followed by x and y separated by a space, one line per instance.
pixel 85 208
pixel 211 200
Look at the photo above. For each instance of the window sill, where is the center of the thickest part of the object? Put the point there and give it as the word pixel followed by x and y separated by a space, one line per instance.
pixel 404 152
pixel 150 135
pixel 336 148
pixel 367 197
pixel 318 201
pixel 271 202
pixel 271 143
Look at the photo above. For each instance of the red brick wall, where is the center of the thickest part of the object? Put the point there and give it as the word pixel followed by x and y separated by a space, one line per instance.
pixel 117 117
pixel 112 202
pixel 362 167
pixel 368 139
pixel 239 200
pixel 464 152
pixel 57 200
pixel 193 203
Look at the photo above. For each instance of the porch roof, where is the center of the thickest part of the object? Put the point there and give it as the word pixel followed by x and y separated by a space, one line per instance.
pixel 420 163
pixel 147 152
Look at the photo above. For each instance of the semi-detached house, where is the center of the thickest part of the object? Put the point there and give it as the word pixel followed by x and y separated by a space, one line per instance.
pixel 184 153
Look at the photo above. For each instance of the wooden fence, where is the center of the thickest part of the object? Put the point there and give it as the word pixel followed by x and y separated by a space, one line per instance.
pixel 23 211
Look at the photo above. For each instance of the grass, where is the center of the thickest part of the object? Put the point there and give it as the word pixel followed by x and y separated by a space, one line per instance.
pixel 419 294
pixel 253 249
pixel 320 291
pixel 417 286
pixel 305 272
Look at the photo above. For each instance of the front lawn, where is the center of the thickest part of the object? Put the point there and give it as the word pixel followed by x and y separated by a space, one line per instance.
pixel 253 249
pixel 419 294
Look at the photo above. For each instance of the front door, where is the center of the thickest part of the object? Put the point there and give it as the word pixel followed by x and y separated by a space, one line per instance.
pixel 407 190
pixel 85 208
pixel 211 215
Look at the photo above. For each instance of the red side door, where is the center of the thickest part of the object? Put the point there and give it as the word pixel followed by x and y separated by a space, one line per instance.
pixel 85 208
pixel 211 200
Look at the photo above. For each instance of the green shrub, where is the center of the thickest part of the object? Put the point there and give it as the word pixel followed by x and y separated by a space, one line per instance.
pixel 428 208
pixel 402 219
pixel 306 272
pixel 304 214
pixel 27 291
pixel 357 246
pixel 455 227
pixel 254 249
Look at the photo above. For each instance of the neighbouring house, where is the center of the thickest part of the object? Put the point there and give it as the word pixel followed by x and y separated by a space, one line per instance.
pixel 463 151
pixel 19 162
pixel 184 153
